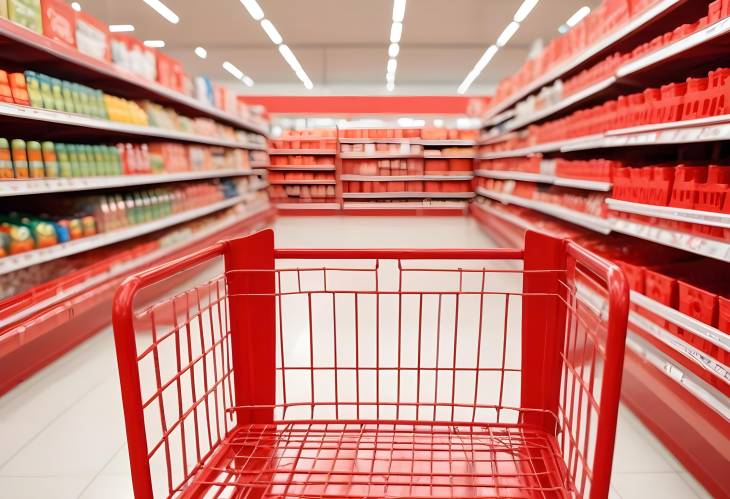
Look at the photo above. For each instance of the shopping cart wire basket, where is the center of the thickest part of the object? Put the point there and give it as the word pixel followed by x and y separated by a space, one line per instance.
pixel 374 373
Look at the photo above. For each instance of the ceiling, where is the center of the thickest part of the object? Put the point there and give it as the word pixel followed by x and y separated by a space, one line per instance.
pixel 342 44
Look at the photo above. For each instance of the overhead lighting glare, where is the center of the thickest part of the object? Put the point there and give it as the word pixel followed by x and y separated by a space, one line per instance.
pixel 396 30
pixel 254 9
pixel 399 10
pixel 392 65
pixel 508 32
pixel 237 73
pixel 201 52
pixel 271 30
pixel 308 84
pixel 290 58
pixel 248 81
pixel 76 6
pixel 157 44
pixel 393 50
pixel 121 28
pixel 163 10
pixel 390 86
pixel 478 68
pixel 525 10
pixel 390 77
pixel 578 16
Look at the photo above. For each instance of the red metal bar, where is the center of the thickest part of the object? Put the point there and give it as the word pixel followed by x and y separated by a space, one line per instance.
pixel 398 254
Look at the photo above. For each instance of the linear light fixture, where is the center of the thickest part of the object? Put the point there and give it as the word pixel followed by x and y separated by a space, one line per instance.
pixel 163 10
pixel 522 12
pixel 76 6
pixel 121 28
pixel 575 19
pixel 231 68
pixel 396 32
pixel 157 44
pixel 254 9
pixel 201 52
pixel 271 31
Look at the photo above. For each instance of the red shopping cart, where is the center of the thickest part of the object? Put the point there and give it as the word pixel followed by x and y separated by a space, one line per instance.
pixel 374 373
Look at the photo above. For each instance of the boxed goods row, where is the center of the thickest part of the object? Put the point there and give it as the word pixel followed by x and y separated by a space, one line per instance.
pixel 607 17
pixel 429 186
pixel 436 133
pixel 20 159
pixel 46 92
pixel 450 151
pixel 301 160
pixel 385 167
pixel 531 164
pixel 87 215
pixel 300 175
pixel 695 98
pixel 303 193
pixel 311 138
pixel 381 133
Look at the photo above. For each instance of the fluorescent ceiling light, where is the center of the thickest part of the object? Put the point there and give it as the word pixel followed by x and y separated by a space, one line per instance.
pixel 290 58
pixel 578 16
pixel 254 9
pixel 390 77
pixel 510 30
pixel 396 30
pixel 399 10
pixel 390 86
pixel 76 6
pixel 158 44
pixel 478 68
pixel 393 50
pixel 201 52
pixel 271 30
pixel 308 84
pixel 392 65
pixel 248 81
pixel 525 10
pixel 121 28
pixel 233 70
pixel 163 10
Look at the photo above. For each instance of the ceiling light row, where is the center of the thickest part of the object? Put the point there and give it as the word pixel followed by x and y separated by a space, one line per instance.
pixel 575 19
pixel 396 31
pixel 257 13
pixel 522 12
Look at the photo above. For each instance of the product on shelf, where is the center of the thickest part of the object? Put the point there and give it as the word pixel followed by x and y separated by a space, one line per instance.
pixel 383 148
pixel 381 133
pixel 316 138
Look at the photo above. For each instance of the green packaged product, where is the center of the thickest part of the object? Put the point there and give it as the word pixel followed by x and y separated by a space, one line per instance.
pixel 78 97
pixel 47 91
pixel 75 159
pixel 86 107
pixel 57 89
pixel 50 160
pixel 6 162
pixel 100 107
pixel 34 89
pixel 100 165
pixel 44 233
pixel 110 168
pixel 117 159
pixel 130 206
pixel 65 168
pixel 84 159
pixel 26 13
pixel 3 9
pixel 4 243
pixel 35 159
pixel 20 158
pixel 68 96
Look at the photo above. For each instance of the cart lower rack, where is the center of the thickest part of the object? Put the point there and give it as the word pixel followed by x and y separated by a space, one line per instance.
pixel 374 373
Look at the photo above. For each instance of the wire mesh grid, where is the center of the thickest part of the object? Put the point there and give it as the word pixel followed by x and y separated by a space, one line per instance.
pixel 392 380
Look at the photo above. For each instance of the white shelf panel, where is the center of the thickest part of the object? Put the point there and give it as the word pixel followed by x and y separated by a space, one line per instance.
pixel 672 213
pixel 126 267
pixel 401 140
pixel 556 146
pixel 507 217
pixel 297 168
pixel 308 206
pixel 302 182
pixel 699 245
pixel 591 222
pixel 634 24
pixel 406 195
pixel 405 206
pixel 401 178
pixel 449 156
pixel 302 152
pixel 590 185
pixel 446 143
pixel 77 120
pixel 30 258
pixel 73 184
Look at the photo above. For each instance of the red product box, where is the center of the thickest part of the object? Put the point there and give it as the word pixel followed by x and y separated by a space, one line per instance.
pixel 6 95
pixel 684 188
pixel 170 74
pixel 59 21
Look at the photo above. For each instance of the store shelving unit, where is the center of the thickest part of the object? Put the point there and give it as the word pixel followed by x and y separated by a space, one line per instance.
pixel 40 323
pixel 591 185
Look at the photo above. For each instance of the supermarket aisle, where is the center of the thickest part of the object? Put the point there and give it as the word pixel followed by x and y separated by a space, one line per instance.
pixel 62 431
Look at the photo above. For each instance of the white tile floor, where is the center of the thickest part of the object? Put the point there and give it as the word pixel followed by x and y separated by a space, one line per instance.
pixel 62 435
